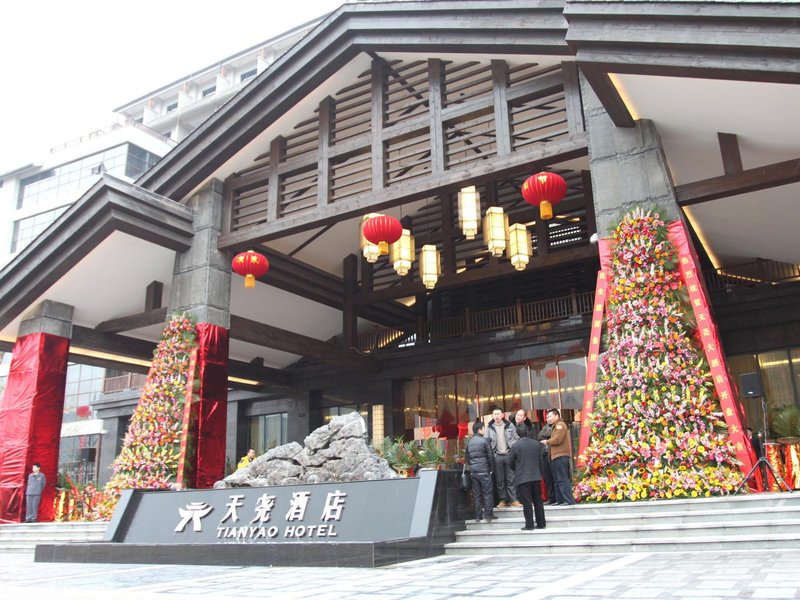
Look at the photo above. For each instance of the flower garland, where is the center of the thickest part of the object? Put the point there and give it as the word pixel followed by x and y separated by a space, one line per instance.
pixel 657 430
pixel 151 448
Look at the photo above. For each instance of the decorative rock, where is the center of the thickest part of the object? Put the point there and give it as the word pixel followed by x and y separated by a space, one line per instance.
pixel 334 452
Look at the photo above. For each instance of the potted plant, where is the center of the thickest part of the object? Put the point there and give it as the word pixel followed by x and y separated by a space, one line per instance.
pixel 431 453
pixel 401 457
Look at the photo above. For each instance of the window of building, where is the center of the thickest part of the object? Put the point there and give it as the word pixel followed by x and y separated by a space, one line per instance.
pixel 138 161
pixel 172 107
pixel 26 230
pixel 248 75
pixel 209 91
pixel 267 432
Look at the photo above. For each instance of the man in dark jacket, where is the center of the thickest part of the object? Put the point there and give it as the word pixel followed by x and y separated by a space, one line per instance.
pixel 503 435
pixel 480 460
pixel 527 454
pixel 33 493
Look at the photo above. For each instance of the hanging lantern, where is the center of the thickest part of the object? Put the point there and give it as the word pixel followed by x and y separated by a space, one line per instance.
pixel 543 190
pixel 250 265
pixel 469 211
pixel 495 230
pixel 401 253
pixel 554 374
pixel 519 246
pixel 370 251
pixel 430 268
pixel 382 228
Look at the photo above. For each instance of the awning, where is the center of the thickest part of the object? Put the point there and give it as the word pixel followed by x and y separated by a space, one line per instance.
pixel 76 428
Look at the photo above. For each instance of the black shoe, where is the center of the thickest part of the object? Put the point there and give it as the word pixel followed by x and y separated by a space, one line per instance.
pixel 541 526
pixel 550 503
pixel 490 517
pixel 528 528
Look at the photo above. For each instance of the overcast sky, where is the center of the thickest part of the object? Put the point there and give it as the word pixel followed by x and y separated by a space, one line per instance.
pixel 67 64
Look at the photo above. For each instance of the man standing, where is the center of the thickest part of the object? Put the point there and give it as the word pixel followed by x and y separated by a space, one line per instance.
pixel 560 447
pixel 547 474
pixel 480 459
pixel 521 418
pixel 502 436
pixel 33 493
pixel 527 455
pixel 246 459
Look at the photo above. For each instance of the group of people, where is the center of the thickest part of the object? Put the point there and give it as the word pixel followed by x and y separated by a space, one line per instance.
pixel 518 462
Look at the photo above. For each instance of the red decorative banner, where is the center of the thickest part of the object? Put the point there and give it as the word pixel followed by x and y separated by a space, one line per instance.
pixel 212 412
pixel 709 337
pixel 31 411
pixel 186 458
pixel 600 299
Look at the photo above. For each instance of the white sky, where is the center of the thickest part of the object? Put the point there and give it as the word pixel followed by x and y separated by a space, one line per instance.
pixel 67 64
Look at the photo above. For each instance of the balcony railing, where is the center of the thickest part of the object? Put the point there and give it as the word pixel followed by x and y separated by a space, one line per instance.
pixel 123 382
pixel 751 274
pixel 496 319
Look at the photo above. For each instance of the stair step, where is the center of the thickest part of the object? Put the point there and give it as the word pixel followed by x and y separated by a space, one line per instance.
pixel 22 538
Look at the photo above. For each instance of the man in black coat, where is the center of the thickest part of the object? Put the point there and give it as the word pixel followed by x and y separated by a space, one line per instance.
pixel 480 460
pixel 527 456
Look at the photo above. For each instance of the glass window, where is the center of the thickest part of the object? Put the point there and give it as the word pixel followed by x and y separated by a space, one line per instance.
pixel 447 412
pixel 468 406
pixel 26 230
pixel 209 91
pixel 572 383
pixel 490 390
pixel 776 378
pixel 172 107
pixel 267 432
pixel 249 74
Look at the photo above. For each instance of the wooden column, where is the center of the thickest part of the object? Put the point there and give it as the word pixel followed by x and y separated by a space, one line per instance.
pixel 326 108
pixel 435 94
pixel 572 99
pixel 276 153
pixel 376 122
pixel 349 317
pixel 502 119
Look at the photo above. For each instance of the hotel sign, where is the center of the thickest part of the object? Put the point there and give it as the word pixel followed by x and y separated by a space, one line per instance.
pixel 363 511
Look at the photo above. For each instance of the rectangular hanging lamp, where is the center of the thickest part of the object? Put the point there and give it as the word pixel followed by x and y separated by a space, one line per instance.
pixel 495 230
pixel 430 267
pixel 520 247
pixel 401 253
pixel 469 211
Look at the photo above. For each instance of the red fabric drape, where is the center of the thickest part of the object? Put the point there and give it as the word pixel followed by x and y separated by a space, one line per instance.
pixel 212 411
pixel 709 337
pixel 30 421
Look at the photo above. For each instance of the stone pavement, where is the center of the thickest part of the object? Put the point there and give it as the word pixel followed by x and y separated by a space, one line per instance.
pixel 688 575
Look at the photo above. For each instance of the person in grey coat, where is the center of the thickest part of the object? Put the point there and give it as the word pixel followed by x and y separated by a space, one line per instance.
pixel 528 457
pixel 33 493
pixel 480 460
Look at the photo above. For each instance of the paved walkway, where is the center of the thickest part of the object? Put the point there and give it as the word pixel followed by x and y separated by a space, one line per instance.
pixel 689 575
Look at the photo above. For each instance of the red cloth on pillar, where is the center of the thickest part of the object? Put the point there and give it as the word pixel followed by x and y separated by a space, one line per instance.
pixel 31 411
pixel 212 410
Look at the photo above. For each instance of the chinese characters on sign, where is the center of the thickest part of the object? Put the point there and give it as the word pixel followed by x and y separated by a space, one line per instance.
pixel 247 524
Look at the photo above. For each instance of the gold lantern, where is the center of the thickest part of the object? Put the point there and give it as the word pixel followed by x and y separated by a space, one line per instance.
pixel 495 230
pixel 401 253
pixel 519 246
pixel 371 251
pixel 429 265
pixel 469 211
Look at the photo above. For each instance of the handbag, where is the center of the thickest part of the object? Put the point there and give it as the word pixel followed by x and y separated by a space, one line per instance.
pixel 465 482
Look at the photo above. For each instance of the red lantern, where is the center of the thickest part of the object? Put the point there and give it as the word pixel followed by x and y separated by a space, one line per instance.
pixel 250 265
pixel 543 190
pixel 555 374
pixel 383 228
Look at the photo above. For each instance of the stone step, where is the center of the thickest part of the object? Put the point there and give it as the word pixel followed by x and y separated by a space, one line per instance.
pixel 572 518
pixel 23 537
pixel 541 544
pixel 503 532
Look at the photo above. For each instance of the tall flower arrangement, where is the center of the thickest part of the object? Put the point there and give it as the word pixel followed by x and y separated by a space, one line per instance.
pixel 657 430
pixel 151 448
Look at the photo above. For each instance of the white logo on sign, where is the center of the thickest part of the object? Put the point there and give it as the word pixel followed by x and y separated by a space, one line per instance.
pixel 193 512
pixel 264 506
pixel 298 508
pixel 334 504
pixel 232 506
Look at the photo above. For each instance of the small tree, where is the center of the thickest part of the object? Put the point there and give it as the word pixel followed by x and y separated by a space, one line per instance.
pixel 151 449
pixel 657 430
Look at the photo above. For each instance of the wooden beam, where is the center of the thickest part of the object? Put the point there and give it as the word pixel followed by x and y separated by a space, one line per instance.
pixel 137 321
pixel 435 100
pixel 326 109
pixel 573 99
pixel 377 149
pixel 153 295
pixel 607 93
pixel 349 314
pixel 495 167
pixel 751 180
pixel 731 157
pixel 499 270
pixel 268 336
pixel 502 119
pixel 276 151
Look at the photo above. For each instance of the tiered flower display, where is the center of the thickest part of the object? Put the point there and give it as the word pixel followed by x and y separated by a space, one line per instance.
pixel 657 430
pixel 151 449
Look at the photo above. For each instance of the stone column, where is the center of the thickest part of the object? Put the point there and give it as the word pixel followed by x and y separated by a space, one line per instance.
pixel 32 408
pixel 628 166
pixel 201 286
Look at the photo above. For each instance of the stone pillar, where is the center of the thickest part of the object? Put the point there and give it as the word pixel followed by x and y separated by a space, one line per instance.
pixel 32 408
pixel 628 166
pixel 201 286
